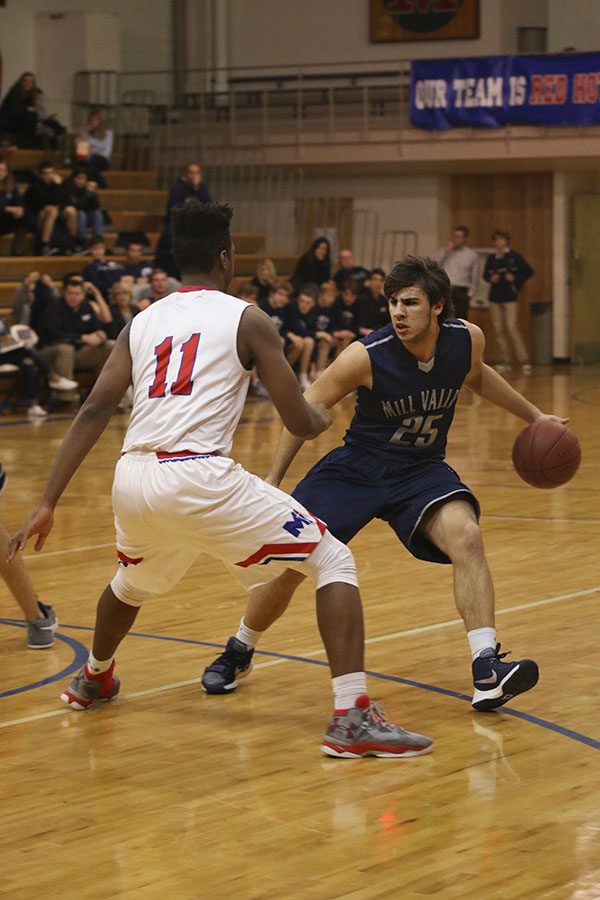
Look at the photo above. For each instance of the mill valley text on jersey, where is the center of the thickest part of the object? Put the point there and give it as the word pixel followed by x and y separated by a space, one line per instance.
pixel 409 409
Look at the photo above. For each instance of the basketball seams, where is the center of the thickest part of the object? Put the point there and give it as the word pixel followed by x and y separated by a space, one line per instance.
pixel 541 466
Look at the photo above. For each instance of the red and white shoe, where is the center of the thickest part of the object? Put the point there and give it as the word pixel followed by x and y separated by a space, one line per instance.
pixel 365 731
pixel 85 688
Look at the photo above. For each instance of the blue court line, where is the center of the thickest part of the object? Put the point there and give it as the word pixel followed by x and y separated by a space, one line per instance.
pixel 60 418
pixel 526 717
pixel 81 655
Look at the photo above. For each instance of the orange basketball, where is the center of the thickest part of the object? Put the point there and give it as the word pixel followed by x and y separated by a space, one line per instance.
pixel 546 454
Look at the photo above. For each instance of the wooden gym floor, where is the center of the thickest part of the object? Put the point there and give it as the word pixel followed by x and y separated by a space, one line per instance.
pixel 170 793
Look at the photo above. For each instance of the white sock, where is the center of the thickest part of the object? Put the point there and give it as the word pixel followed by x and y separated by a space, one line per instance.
pixel 347 688
pixel 481 639
pixel 97 666
pixel 248 636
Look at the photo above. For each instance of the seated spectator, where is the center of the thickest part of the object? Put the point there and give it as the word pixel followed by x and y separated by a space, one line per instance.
pixel 372 305
pixel 325 320
pixel 93 148
pixel 34 286
pixel 71 336
pixel 18 117
pixel 345 324
pixel 32 367
pixel 347 270
pixel 249 292
pixel 77 193
pixel 302 327
pixel 277 307
pixel 12 211
pixel 102 272
pixel 265 277
pixel 160 286
pixel 134 265
pixel 122 308
pixel 314 266
pixel 92 295
pixel 189 185
pixel 47 211
pixel 49 130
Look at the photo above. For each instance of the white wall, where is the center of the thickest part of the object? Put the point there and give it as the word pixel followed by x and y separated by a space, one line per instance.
pixel 574 24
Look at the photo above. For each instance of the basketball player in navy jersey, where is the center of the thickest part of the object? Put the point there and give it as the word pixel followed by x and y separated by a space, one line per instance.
pixel 407 375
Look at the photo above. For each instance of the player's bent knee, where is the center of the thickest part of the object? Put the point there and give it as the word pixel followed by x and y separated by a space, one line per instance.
pixel 333 562
pixel 126 593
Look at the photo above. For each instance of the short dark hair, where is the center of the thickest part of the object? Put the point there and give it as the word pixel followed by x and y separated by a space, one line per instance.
pixel 378 272
pixel 462 228
pixel 43 165
pixel 200 234
pixel 426 274
pixel 499 233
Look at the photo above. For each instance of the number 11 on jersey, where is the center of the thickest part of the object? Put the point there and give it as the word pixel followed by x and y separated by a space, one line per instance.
pixel 182 386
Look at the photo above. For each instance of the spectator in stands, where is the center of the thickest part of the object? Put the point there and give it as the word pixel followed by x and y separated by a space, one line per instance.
pixel 34 287
pixel 277 307
pixel 78 193
pixel 249 292
pixel 12 211
pixel 21 352
pixel 348 270
pixel 325 316
pixel 160 286
pixel 71 337
pixel 47 211
pixel 133 264
pixel 345 325
pixel 265 278
pixel 507 271
pixel 94 147
pixel 302 327
pixel 372 305
pixel 122 308
pixel 49 130
pixel 102 272
pixel 189 185
pixel 18 117
pixel 461 265
pixel 314 266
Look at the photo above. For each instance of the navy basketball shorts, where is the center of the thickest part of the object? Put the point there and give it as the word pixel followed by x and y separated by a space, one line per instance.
pixel 349 487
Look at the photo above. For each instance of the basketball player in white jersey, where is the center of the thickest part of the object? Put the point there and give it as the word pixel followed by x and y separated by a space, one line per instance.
pixel 177 493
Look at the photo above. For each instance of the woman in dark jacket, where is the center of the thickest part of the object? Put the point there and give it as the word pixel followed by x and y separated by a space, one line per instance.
pixel 18 115
pixel 314 266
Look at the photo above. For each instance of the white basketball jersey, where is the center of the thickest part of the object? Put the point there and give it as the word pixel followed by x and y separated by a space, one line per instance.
pixel 189 385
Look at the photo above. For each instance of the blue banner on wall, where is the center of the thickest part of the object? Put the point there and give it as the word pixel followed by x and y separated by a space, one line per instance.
pixel 490 92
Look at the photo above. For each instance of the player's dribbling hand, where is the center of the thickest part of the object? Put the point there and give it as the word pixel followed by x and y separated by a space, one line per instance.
pixel 552 418
pixel 40 523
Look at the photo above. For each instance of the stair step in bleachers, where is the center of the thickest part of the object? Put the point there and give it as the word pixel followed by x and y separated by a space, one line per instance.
pixel 148 200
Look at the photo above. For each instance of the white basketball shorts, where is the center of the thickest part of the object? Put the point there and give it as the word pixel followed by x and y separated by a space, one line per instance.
pixel 168 511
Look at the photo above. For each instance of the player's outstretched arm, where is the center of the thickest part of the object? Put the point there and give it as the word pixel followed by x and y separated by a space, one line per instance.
pixel 490 385
pixel 258 342
pixel 88 425
pixel 349 371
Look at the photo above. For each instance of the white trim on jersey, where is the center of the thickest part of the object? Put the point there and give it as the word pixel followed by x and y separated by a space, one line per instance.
pixel 380 341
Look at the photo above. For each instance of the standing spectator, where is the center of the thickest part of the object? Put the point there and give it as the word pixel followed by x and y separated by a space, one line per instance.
pixel 314 266
pixel 18 116
pixel 71 337
pixel 372 305
pixel 461 265
pixel 265 278
pixel 78 193
pixel 94 146
pixel 133 264
pixel 102 273
pixel 45 205
pixel 160 286
pixel 345 323
pixel 12 212
pixel 348 270
pixel 324 324
pixel 302 327
pixel 189 185
pixel 507 272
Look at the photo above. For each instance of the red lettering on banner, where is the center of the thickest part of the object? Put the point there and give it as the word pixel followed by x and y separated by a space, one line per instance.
pixel 585 87
pixel 546 89
pixel 536 89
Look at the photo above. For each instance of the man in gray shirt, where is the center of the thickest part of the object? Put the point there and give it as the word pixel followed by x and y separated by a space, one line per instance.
pixel 461 265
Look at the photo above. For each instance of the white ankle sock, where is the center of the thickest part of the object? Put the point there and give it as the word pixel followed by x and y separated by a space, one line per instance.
pixel 97 666
pixel 480 639
pixel 347 688
pixel 248 636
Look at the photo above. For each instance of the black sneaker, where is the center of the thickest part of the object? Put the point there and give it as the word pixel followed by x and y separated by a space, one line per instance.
pixel 223 674
pixel 496 682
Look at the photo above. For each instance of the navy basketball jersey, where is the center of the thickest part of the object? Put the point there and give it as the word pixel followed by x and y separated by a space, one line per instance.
pixel 407 413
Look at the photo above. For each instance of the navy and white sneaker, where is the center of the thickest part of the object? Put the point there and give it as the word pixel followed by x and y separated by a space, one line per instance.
pixel 223 674
pixel 496 682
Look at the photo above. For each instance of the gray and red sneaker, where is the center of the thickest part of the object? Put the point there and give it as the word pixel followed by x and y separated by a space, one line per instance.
pixel 364 730
pixel 85 688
